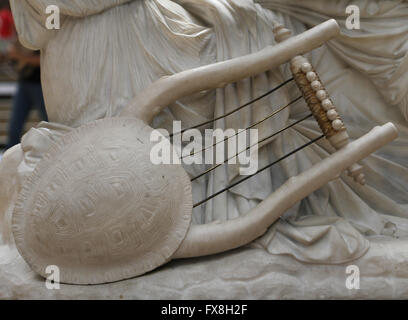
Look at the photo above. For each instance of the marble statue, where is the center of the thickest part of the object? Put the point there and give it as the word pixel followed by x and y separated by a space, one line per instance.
pixel 104 64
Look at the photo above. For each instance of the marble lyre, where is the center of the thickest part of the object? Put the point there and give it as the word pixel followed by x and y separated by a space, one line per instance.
pixel 100 210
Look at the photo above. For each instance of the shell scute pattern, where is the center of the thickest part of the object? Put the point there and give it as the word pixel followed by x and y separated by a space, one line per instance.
pixel 99 209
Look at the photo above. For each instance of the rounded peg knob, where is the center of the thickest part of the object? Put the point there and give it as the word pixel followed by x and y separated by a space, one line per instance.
pixel 356 171
pixel 321 95
pixel 306 67
pixel 316 85
pixel 281 33
pixel 332 114
pixel 360 179
pixel 311 76
pixel 327 104
pixel 337 124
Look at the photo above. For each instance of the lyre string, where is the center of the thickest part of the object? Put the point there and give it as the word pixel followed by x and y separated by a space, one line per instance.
pixel 248 148
pixel 235 110
pixel 259 171
pixel 246 129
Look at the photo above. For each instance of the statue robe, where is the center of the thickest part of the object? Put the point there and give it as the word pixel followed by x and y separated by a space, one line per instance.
pixel 108 50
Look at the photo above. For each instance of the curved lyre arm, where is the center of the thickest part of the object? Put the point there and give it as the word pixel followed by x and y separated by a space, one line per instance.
pixel 219 237
pixel 222 236
pixel 167 90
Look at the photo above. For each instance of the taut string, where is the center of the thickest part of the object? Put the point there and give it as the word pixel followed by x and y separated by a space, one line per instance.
pixel 259 171
pixel 246 129
pixel 235 110
pixel 248 148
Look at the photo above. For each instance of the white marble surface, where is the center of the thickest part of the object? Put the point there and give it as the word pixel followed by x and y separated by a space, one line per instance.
pixel 329 225
pixel 319 228
pixel 246 273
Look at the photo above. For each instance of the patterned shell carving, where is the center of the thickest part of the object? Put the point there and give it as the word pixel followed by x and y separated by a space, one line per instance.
pixel 97 207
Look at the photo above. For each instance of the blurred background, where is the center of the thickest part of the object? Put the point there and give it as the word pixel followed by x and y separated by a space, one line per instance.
pixel 21 102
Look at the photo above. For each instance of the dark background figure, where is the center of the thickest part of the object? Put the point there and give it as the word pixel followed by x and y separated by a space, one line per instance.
pixel 27 64
pixel 29 93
